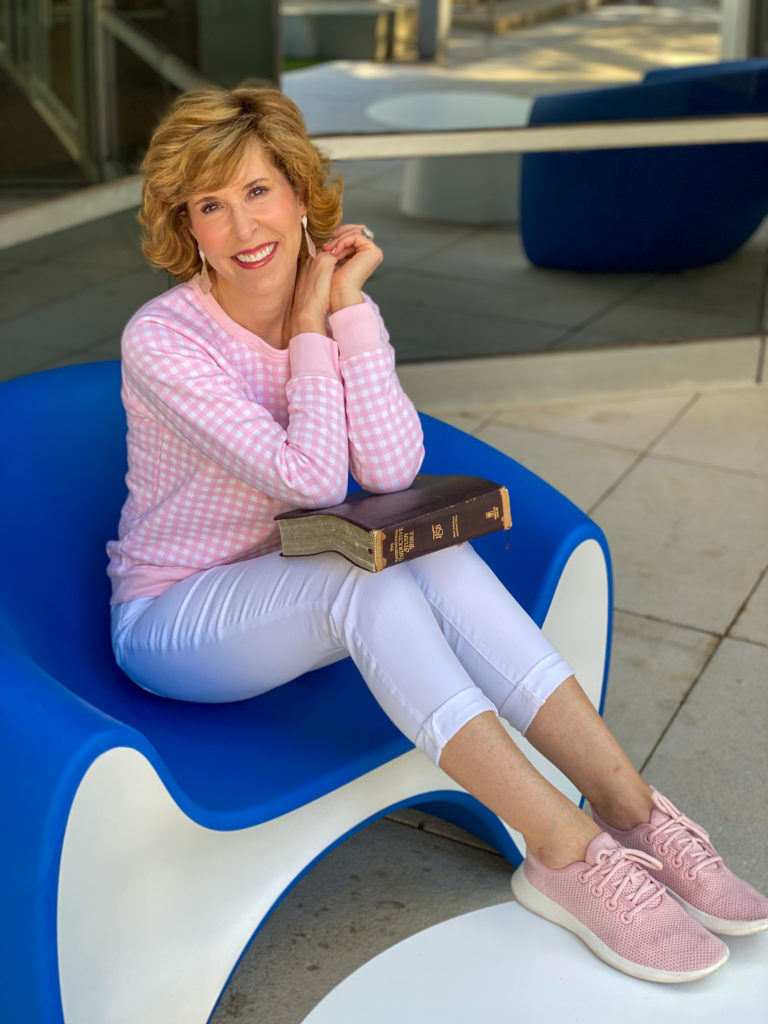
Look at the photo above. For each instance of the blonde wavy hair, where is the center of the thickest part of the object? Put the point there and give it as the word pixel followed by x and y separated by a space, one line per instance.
pixel 200 144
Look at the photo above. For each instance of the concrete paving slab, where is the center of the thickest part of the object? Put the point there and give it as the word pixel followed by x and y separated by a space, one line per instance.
pixel 585 339
pixel 416 284
pixel 381 885
pixel 688 542
pixel 495 257
pixel 402 239
pixel 494 382
pixel 614 45
pixel 469 422
pixel 28 288
pixel 738 281
pixel 752 623
pixel 713 761
pixel 653 666
pixel 21 355
pixel 632 423
pixel 491 255
pixel 106 348
pixel 415 817
pixel 43 337
pixel 728 430
pixel 421 332
pixel 580 470
pixel 640 320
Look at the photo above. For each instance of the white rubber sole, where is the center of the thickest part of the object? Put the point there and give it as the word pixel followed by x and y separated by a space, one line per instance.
pixel 721 925
pixel 534 900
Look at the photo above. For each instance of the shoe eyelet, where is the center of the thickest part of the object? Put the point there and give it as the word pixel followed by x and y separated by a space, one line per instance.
pixel 677 862
pixel 625 918
pixel 689 876
pixel 582 877
pixel 596 891
pixel 611 905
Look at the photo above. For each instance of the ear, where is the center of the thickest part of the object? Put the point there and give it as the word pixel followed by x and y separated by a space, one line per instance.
pixel 301 201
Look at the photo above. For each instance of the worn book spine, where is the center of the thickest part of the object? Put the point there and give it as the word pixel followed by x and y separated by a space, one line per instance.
pixel 442 528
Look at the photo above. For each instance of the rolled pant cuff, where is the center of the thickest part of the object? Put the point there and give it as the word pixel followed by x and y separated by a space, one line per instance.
pixel 445 722
pixel 525 701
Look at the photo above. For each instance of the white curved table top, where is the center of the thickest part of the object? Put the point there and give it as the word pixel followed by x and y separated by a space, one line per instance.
pixel 504 964
pixel 451 110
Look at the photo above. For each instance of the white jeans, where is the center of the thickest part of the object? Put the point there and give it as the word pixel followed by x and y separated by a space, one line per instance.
pixel 438 639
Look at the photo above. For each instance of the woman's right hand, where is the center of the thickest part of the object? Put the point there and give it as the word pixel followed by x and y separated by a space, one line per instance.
pixel 312 296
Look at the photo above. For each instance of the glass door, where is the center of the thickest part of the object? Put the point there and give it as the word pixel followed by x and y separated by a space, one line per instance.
pixel 42 51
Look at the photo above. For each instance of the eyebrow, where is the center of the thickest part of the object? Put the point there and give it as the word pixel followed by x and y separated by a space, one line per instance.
pixel 209 199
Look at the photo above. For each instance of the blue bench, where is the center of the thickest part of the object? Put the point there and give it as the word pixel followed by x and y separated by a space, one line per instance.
pixel 145 840
pixel 647 209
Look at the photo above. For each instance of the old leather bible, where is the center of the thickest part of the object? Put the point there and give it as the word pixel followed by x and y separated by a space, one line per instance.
pixel 378 530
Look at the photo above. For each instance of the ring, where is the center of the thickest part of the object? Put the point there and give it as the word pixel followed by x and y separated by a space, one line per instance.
pixel 367 232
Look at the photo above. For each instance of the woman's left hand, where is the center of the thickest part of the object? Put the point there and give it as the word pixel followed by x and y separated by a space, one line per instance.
pixel 356 259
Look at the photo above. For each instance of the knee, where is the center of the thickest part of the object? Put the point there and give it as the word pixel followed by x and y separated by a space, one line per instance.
pixel 389 590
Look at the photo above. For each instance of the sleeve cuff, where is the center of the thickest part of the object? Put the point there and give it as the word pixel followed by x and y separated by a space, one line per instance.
pixel 356 329
pixel 314 355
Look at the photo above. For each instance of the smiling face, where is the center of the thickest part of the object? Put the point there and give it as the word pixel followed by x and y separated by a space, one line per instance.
pixel 250 231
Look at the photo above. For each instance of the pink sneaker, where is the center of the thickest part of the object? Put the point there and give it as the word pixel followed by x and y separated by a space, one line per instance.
pixel 693 872
pixel 621 912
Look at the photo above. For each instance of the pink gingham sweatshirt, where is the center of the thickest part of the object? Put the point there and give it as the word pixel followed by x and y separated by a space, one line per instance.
pixel 225 431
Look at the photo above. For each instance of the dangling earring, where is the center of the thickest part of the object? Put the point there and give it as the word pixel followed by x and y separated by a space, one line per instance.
pixel 205 281
pixel 310 244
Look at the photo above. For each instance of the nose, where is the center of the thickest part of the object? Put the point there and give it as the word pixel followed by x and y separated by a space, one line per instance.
pixel 243 224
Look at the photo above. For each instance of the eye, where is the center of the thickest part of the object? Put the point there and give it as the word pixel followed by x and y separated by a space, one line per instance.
pixel 258 190
pixel 209 208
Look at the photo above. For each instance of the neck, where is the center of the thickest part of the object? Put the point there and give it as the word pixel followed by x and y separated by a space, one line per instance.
pixel 265 316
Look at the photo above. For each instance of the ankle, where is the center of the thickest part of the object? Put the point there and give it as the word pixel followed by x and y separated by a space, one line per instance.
pixel 562 849
pixel 625 811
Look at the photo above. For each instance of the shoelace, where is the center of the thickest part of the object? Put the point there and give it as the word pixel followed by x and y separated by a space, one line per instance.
pixel 688 838
pixel 626 869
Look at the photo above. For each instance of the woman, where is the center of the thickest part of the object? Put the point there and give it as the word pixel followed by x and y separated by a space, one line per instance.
pixel 255 385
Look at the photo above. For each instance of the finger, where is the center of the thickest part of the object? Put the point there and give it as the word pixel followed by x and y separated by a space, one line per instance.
pixel 354 230
pixel 343 229
pixel 314 278
pixel 352 243
pixel 322 266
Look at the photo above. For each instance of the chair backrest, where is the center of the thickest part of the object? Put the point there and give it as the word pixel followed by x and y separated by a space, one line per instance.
pixel 655 208
pixel 62 479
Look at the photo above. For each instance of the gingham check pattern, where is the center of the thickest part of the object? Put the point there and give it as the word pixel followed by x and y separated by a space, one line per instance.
pixel 225 431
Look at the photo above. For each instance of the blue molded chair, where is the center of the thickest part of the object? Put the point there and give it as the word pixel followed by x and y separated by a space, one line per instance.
pixel 661 208
pixel 145 840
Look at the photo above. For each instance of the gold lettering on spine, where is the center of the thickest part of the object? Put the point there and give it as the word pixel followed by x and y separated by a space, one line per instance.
pixel 455 526
pixel 437 531
pixel 398 544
